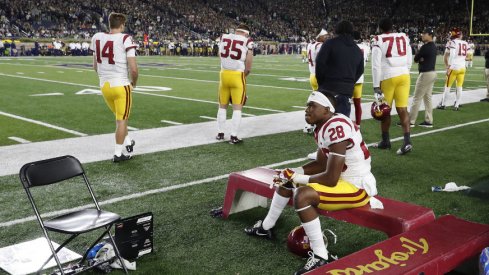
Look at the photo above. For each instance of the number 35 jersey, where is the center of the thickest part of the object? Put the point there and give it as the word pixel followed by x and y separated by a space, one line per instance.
pixel 232 50
pixel 340 128
pixel 111 52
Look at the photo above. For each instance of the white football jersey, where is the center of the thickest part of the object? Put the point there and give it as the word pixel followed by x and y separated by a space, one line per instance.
pixel 233 49
pixel 391 56
pixel 365 49
pixel 340 128
pixel 111 52
pixel 471 48
pixel 458 51
pixel 312 52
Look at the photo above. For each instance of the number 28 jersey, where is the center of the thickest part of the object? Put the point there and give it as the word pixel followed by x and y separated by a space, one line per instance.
pixel 340 128
pixel 232 50
pixel 111 52
pixel 391 56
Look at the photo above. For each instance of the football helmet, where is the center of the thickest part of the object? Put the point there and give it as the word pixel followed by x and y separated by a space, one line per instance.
pixel 455 33
pixel 380 110
pixel 298 242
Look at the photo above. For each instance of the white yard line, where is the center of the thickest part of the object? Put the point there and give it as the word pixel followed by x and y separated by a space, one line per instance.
pixel 208 117
pixel 48 94
pixel 171 122
pixel 43 124
pixel 246 114
pixel 19 140
pixel 136 92
pixel 206 180
pixel 132 128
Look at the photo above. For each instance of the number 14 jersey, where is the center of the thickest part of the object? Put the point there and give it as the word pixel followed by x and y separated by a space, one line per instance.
pixel 232 50
pixel 340 128
pixel 111 52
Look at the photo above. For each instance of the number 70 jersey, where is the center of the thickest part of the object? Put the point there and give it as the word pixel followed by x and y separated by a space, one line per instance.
pixel 232 50
pixel 340 128
pixel 111 52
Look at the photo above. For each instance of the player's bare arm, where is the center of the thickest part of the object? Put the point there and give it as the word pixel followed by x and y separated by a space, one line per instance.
pixel 317 166
pixel 334 165
pixel 248 62
pixel 133 70
pixel 94 62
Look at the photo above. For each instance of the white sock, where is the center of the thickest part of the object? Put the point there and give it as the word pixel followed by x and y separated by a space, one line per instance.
pixel 221 120
pixel 467 64
pixel 315 235
pixel 444 96
pixel 459 95
pixel 127 140
pixel 276 207
pixel 118 149
pixel 235 122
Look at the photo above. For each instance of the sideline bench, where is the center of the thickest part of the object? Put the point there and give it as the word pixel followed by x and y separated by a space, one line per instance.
pixel 251 188
pixel 434 248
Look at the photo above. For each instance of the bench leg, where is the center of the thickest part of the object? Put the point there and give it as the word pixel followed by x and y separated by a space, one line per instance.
pixel 238 200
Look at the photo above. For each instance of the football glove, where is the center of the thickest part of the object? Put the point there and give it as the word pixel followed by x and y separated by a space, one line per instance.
pixel 289 179
pixel 379 95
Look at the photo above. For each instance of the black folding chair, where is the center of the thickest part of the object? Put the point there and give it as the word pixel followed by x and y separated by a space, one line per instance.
pixel 49 171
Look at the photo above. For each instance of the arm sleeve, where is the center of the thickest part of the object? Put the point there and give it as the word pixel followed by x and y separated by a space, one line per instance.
pixel 249 44
pixel 321 60
pixel 376 64
pixel 128 43
pixel 92 44
pixel 419 54
pixel 360 67
pixel 452 52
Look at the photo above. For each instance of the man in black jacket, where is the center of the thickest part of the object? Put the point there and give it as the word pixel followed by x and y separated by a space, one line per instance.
pixel 426 57
pixel 339 64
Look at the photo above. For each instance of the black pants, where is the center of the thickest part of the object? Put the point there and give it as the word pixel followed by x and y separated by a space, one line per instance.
pixel 343 105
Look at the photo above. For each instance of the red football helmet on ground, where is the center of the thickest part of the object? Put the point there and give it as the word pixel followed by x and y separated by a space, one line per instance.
pixel 380 111
pixel 455 33
pixel 298 242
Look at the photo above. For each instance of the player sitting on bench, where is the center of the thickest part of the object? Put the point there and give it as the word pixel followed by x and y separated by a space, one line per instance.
pixel 340 178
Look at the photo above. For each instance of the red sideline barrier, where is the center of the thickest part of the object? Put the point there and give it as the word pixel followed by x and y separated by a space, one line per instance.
pixel 434 248
pixel 396 217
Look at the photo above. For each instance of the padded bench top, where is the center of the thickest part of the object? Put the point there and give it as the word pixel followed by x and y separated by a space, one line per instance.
pixel 435 248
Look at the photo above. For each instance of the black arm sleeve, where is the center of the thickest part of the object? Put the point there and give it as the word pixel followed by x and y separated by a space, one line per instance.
pixel 419 54
pixel 321 61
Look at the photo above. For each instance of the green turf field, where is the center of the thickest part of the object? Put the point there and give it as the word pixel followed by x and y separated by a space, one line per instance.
pixel 187 239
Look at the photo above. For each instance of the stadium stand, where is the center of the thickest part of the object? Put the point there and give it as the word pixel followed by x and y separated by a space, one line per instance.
pixel 281 20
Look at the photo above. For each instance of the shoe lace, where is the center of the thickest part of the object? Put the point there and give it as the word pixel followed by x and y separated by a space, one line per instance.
pixel 311 261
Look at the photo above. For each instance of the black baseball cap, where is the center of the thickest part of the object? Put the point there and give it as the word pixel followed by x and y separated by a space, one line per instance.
pixel 429 31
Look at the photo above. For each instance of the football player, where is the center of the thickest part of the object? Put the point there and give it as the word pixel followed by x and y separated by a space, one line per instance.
pixel 236 53
pixel 304 46
pixel 339 178
pixel 454 58
pixel 470 54
pixel 357 90
pixel 312 51
pixel 114 55
pixel 391 63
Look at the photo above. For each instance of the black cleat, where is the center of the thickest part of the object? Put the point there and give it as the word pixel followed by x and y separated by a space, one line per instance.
pixel 216 212
pixel 426 124
pixel 485 99
pixel 313 262
pixel 383 145
pixel 220 136
pixel 130 148
pixel 440 107
pixel 257 230
pixel 122 157
pixel 406 148
pixel 235 140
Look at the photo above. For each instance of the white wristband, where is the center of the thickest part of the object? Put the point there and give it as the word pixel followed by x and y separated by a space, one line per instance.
pixel 300 178
pixel 299 170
